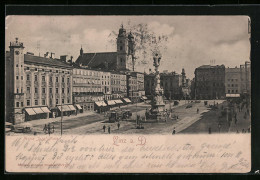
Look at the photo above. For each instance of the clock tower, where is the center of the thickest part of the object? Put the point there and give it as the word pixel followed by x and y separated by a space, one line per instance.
pixel 17 77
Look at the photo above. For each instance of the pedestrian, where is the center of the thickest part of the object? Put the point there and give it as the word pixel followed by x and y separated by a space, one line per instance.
pixel 49 128
pixel 108 129
pixel 209 130
pixel 118 125
pixel 104 128
pixel 173 132
pixel 45 128
pixel 248 130
pixel 198 110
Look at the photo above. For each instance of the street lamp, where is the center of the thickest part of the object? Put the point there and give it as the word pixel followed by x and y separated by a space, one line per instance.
pixel 219 126
pixel 61 120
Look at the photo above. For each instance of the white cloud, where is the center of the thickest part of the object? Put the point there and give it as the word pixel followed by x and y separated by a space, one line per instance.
pixel 160 29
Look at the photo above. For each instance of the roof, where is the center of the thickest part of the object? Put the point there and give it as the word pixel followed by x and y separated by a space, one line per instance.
pixel 44 61
pixel 103 60
pixel 209 66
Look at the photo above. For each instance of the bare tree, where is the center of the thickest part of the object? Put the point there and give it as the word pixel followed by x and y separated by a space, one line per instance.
pixel 146 42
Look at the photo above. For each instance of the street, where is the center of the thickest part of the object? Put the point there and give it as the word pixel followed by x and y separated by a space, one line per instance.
pixel 189 121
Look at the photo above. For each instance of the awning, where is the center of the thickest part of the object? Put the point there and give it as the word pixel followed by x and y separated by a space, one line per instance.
pixel 98 103
pixel 64 108
pixel 127 100
pixel 45 109
pixel 118 101
pixel 103 103
pixel 72 108
pixel 232 95
pixel 30 111
pixel 78 106
pixel 144 97
pixel 111 102
pixel 38 110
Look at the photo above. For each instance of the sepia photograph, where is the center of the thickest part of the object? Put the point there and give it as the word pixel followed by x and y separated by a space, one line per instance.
pixel 127 74
pixel 95 84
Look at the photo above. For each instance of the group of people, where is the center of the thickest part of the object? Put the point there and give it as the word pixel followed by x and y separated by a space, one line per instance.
pixel 245 131
pixel 108 129
pixel 47 129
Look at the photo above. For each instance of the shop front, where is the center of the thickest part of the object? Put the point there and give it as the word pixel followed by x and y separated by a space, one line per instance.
pixel 36 113
pixel 79 108
pixel 118 102
pixel 63 110
pixel 111 104
pixel 126 101
pixel 72 109
pixel 100 106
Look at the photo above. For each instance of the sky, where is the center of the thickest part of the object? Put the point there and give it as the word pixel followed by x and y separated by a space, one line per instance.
pixel 192 40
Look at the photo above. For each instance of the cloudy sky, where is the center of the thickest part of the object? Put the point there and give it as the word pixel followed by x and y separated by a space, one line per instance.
pixel 193 40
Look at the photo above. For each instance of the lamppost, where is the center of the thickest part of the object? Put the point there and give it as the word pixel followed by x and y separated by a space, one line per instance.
pixel 61 120
pixel 219 126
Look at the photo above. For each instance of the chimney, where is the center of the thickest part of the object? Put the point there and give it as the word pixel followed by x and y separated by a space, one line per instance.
pixel 30 53
pixel 63 58
pixel 52 57
pixel 46 54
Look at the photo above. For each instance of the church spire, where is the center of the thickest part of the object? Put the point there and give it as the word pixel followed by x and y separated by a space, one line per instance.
pixel 81 51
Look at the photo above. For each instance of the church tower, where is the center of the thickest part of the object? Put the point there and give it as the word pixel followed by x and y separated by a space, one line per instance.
pixel 183 77
pixel 122 49
pixel 17 71
pixel 131 49
pixel 81 51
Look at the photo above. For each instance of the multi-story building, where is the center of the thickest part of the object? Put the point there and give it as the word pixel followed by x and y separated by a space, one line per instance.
pixel 173 84
pixel 245 70
pixel 38 85
pixel 140 84
pixel 86 88
pixel 115 85
pixel 132 89
pixel 238 80
pixel 106 84
pixel 232 80
pixel 123 85
pixel 210 82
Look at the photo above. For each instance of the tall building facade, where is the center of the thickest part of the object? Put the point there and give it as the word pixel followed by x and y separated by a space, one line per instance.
pixel 245 70
pixel 86 88
pixel 172 83
pixel 132 88
pixel 210 82
pixel 38 83
pixel 106 85
pixel 232 81
pixel 238 80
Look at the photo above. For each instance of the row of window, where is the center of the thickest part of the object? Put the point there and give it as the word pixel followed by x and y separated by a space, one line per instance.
pixel 44 90
pixel 232 85
pixel 36 102
pixel 232 91
pixel 36 69
pixel 43 78
pixel 88 73
pixel 232 80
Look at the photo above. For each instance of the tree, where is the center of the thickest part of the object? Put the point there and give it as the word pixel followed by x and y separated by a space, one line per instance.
pixel 146 42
